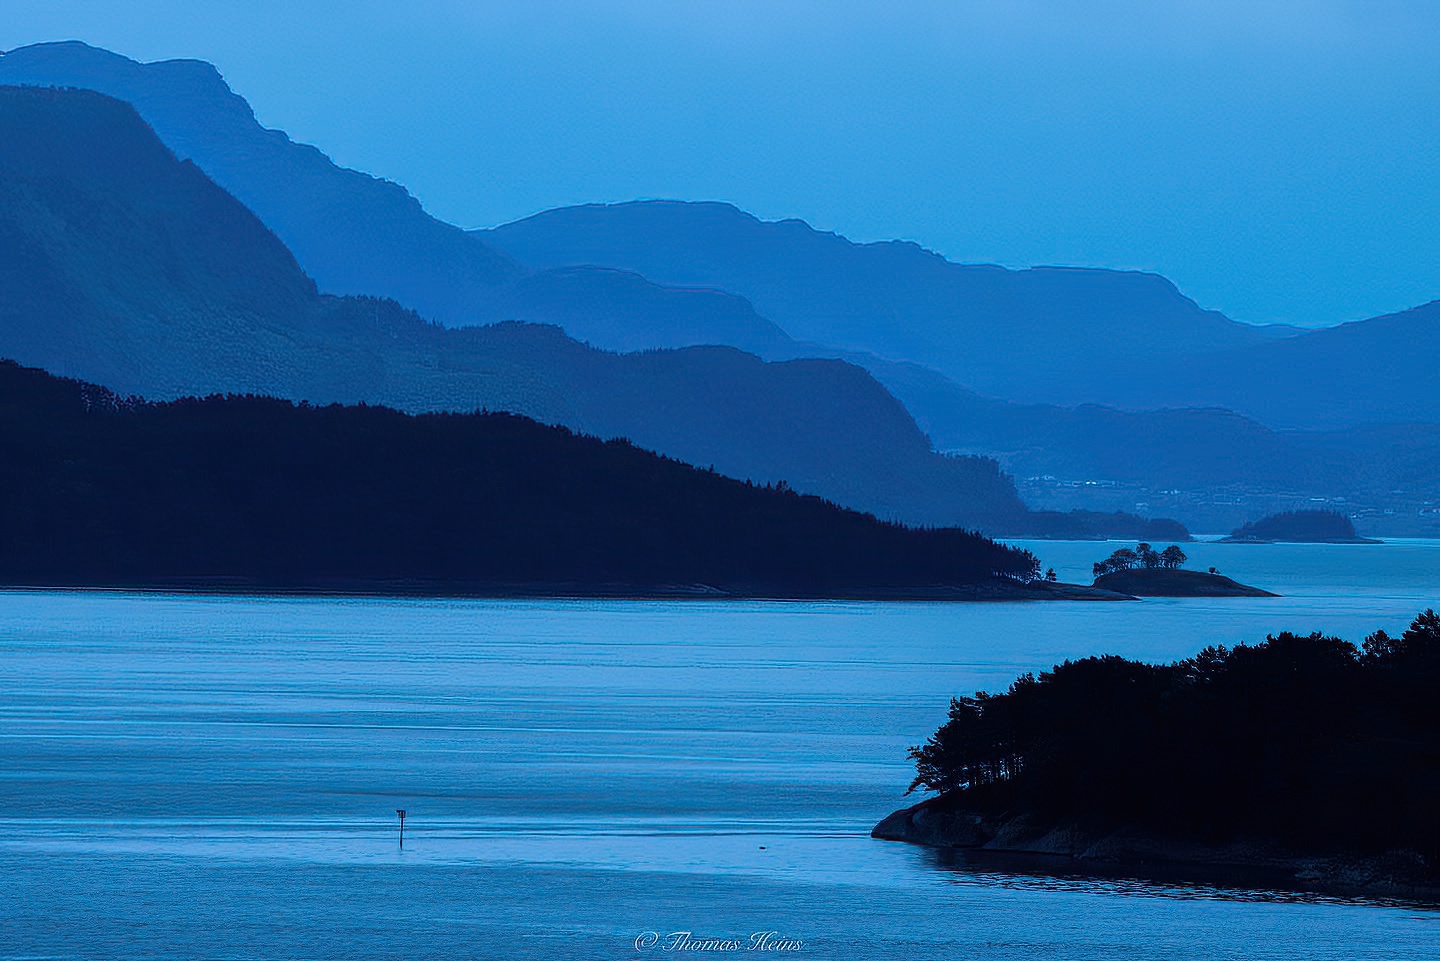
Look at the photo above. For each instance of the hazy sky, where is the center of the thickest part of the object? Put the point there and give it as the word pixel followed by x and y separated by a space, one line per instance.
pixel 1275 159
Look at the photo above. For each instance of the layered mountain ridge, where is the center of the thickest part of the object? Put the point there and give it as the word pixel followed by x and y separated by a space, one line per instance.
pixel 358 234
pixel 1353 404
pixel 1054 335
pixel 129 268
pixel 1122 391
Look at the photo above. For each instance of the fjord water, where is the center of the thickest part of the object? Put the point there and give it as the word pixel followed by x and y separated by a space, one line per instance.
pixel 202 776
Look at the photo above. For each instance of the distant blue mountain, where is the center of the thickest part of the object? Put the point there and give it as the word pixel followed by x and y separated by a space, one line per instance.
pixel 1103 346
pixel 356 234
pixel 1371 371
pixel 1048 334
pixel 1131 337
pixel 1212 468
pixel 1051 334
pixel 131 269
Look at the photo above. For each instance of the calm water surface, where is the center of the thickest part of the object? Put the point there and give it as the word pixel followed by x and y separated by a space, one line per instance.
pixel 186 777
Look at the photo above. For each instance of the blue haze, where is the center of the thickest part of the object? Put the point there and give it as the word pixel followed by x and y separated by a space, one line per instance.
pixel 1271 157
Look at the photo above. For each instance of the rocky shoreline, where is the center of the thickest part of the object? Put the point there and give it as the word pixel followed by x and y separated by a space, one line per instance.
pixel 1068 848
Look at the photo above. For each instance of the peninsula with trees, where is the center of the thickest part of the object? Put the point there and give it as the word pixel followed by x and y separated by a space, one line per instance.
pixel 254 493
pixel 1146 572
pixel 1302 761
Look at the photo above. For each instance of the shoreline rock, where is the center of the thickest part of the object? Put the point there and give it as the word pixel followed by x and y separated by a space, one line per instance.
pixel 1031 846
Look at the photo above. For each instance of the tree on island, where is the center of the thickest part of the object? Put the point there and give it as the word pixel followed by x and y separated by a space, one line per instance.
pixel 1143 556
pixel 1122 560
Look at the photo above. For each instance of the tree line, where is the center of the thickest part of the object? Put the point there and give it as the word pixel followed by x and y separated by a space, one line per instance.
pixel 1143 556
pixel 99 489
pixel 1306 740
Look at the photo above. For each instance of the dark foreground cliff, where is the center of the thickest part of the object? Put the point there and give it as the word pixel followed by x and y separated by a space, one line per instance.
pixel 1301 761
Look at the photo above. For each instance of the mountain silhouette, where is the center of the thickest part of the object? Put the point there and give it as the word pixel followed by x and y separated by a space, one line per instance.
pixel 1051 334
pixel 1379 370
pixel 1203 447
pixel 1057 335
pixel 357 234
pixel 1220 466
pixel 326 209
pixel 1144 388
pixel 129 268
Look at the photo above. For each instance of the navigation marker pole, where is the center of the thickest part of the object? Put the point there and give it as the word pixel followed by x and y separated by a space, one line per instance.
pixel 401 812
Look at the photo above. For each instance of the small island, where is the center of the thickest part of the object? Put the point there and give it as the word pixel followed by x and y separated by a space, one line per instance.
pixel 1300 762
pixel 1146 572
pixel 1299 527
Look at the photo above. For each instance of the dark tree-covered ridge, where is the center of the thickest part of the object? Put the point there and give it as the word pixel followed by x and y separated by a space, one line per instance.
pixel 97 489
pixel 1302 740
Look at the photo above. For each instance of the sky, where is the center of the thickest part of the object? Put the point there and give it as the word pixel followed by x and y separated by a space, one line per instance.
pixel 1274 158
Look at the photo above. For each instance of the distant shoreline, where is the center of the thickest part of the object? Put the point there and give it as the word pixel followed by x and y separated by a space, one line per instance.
pixel 975 593
pixel 1232 539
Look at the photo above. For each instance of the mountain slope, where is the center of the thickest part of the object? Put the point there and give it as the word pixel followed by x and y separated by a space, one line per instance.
pixel 1189 447
pixel 1370 371
pixel 131 269
pixel 1211 468
pixel 258 492
pixel 1045 334
pixel 356 234
pixel 346 226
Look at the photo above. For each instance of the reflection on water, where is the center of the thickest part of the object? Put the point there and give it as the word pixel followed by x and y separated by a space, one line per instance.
pixel 187 776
